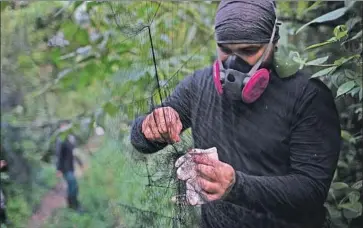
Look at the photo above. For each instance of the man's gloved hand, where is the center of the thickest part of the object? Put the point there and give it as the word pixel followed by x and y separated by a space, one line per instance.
pixel 162 125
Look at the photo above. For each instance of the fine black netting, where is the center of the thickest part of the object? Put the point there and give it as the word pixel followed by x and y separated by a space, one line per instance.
pixel 255 139
pixel 269 163
pixel 165 54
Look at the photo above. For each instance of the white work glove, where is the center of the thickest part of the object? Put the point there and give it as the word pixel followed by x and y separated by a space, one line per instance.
pixel 186 172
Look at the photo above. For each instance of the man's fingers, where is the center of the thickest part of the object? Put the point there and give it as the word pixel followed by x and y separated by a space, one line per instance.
pixel 148 134
pixel 151 132
pixel 146 128
pixel 162 125
pixel 179 129
pixel 161 120
pixel 210 197
pixel 180 126
pixel 169 123
pixel 207 186
pixel 206 172
pixel 176 127
pixel 154 127
pixel 173 127
pixel 205 160
pixel 209 190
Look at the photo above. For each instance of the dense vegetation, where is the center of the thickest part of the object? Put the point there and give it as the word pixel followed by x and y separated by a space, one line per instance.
pixel 92 63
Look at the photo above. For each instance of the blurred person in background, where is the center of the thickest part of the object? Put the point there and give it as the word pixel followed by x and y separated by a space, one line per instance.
pixel 65 166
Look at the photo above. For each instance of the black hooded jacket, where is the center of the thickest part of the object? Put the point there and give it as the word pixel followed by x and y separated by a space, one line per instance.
pixel 284 148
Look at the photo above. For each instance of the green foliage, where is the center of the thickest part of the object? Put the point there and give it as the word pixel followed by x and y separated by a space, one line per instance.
pixel 45 176
pixel 344 75
pixel 343 201
pixel 326 17
pixel 116 190
pixel 101 65
pixel 18 209
pixel 286 63
pixel 342 66
pixel 19 206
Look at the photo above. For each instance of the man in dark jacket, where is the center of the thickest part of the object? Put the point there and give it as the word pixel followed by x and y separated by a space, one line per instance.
pixel 278 139
pixel 65 167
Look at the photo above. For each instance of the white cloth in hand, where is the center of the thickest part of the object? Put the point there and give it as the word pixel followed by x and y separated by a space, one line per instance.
pixel 186 172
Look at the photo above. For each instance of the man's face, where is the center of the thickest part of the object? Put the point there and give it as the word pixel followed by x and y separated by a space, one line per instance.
pixel 250 53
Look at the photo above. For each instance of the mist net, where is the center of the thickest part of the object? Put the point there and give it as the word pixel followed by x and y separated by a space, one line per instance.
pixel 162 43
pixel 167 51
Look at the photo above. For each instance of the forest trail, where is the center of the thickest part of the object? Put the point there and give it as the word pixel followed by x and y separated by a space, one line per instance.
pixel 56 198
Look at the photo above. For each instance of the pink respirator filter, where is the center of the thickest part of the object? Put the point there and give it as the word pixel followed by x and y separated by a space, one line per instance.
pixel 255 86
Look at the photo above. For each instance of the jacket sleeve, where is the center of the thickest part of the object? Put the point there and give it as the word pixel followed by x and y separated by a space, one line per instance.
pixel 180 101
pixel 314 152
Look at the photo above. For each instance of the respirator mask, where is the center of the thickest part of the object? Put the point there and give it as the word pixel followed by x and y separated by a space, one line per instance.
pixel 238 85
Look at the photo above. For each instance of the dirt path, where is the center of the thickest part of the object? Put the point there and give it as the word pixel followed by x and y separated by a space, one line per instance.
pixel 55 198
